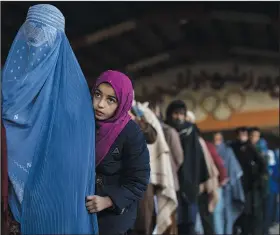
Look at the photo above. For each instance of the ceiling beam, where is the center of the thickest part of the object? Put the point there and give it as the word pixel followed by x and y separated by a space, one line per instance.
pixel 192 53
pixel 244 17
pixel 171 14
pixel 210 59
pixel 255 52
pixel 181 13
pixel 104 34
pixel 185 51
pixel 147 62
pixel 207 52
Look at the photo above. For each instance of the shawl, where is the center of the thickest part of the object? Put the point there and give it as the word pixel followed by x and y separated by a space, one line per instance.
pixel 219 162
pixel 212 184
pixel 176 151
pixel 161 174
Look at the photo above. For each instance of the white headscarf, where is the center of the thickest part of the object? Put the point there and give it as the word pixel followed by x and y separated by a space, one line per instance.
pixel 190 116
pixel 271 158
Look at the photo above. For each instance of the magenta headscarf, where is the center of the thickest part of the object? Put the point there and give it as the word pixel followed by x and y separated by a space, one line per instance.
pixel 110 129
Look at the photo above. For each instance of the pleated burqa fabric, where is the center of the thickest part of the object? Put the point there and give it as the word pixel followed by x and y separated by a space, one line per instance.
pixel 50 129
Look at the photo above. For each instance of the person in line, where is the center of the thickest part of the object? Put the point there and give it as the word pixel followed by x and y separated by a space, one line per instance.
pixel 254 170
pixel 122 157
pixel 208 221
pixel 274 182
pixel 276 179
pixel 50 130
pixel 165 199
pixel 149 131
pixel 146 217
pixel 208 197
pixel 231 194
pixel 275 187
pixel 261 146
pixel 193 171
pixel 173 140
pixel 219 162
pixel 176 157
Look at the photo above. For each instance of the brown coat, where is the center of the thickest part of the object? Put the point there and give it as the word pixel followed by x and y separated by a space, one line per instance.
pixel 146 217
pixel 176 151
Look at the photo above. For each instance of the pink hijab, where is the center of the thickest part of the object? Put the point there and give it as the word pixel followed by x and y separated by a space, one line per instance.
pixel 110 129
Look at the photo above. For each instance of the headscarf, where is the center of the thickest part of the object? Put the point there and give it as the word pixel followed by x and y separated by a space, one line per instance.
pixel 262 146
pixel 191 117
pixel 110 129
pixel 271 158
pixel 48 117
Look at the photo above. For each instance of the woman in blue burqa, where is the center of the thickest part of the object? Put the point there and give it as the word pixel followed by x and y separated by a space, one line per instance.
pixel 48 117
pixel 231 195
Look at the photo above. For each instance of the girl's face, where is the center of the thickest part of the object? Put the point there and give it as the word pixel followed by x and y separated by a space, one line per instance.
pixel 105 102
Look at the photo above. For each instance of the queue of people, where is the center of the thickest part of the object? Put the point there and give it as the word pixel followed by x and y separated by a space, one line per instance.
pixel 76 161
pixel 222 186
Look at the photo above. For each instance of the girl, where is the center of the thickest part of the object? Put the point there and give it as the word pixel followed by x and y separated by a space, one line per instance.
pixel 122 157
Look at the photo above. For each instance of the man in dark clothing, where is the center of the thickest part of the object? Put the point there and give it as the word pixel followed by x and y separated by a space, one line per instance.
pixel 193 170
pixel 257 142
pixel 254 170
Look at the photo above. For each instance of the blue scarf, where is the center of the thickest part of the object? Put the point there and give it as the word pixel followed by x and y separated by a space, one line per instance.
pixel 47 113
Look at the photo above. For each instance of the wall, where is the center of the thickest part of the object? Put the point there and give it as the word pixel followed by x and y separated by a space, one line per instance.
pixel 219 109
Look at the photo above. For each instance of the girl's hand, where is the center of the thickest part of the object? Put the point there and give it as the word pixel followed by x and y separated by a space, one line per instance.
pixel 96 203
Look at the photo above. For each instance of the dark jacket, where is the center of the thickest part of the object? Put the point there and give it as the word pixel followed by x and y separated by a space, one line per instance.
pixel 254 172
pixel 252 163
pixel 192 172
pixel 194 169
pixel 123 175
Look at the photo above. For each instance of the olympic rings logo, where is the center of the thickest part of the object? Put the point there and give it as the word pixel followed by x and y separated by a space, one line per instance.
pixel 232 101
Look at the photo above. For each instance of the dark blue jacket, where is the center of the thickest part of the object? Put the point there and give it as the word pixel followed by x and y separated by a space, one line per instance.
pixel 123 175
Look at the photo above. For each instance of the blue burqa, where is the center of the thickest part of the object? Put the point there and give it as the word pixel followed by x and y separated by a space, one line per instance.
pixel 232 193
pixel 49 121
